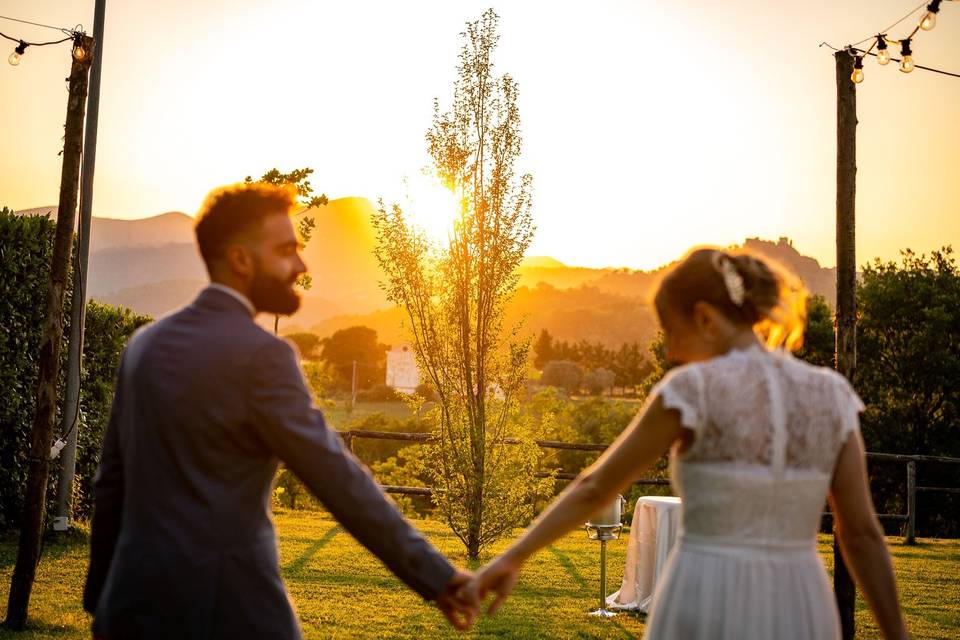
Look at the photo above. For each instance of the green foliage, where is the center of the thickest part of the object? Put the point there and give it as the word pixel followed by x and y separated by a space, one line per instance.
pixel 26 248
pixel 908 370
pixel 627 363
pixel 321 380
pixel 378 393
pixel 407 469
pixel 506 477
pixel 818 340
pixel 360 345
pixel 599 380
pixel 307 344
pixel 107 330
pixel 455 298
pixel 27 243
pixel 562 374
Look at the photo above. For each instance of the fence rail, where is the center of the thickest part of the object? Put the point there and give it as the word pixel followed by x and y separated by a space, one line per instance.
pixel 911 461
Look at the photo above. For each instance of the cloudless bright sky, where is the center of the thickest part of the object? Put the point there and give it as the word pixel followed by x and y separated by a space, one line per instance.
pixel 649 125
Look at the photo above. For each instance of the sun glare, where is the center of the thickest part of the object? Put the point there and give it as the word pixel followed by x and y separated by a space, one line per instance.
pixel 431 207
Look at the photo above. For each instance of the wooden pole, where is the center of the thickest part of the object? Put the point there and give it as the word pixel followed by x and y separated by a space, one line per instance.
pixel 846 331
pixel 31 526
pixel 911 503
pixel 69 423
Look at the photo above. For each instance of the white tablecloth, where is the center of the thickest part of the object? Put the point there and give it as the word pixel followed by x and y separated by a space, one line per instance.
pixel 656 521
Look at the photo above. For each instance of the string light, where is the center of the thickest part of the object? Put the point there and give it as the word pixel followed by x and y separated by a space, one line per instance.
pixel 929 21
pixel 76 35
pixel 883 52
pixel 79 53
pixel 906 64
pixel 14 58
pixel 857 75
pixel 882 44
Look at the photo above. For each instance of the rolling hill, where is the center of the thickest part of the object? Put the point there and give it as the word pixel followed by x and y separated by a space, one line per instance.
pixel 152 266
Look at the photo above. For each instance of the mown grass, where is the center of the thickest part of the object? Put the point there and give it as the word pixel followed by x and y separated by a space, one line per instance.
pixel 341 417
pixel 341 591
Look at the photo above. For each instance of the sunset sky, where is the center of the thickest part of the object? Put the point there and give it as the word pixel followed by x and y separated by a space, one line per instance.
pixel 649 125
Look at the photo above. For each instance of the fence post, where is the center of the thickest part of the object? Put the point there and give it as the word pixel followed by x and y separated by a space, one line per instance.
pixel 911 502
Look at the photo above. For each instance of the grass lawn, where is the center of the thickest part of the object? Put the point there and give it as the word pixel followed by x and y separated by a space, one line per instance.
pixel 340 416
pixel 341 591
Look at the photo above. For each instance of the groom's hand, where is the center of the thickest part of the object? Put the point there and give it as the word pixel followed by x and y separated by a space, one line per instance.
pixel 459 608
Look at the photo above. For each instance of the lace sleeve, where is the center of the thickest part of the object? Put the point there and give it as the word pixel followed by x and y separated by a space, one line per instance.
pixel 849 406
pixel 682 390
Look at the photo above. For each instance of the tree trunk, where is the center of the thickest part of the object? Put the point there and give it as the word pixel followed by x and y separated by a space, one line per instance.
pixel 31 527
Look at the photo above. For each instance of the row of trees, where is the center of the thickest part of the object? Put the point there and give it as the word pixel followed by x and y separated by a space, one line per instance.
pixel 347 348
pixel 629 364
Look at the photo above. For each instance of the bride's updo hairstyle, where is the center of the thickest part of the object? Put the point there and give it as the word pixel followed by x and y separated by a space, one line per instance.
pixel 746 288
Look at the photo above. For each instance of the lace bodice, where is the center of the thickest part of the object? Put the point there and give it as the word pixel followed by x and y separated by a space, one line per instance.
pixel 767 431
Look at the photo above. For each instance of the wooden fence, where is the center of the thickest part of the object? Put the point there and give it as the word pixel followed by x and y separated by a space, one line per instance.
pixel 909 518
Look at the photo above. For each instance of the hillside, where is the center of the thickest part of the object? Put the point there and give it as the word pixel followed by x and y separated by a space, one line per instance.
pixel 152 266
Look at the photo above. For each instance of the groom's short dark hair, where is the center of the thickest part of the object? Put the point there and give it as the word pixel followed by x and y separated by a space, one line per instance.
pixel 235 209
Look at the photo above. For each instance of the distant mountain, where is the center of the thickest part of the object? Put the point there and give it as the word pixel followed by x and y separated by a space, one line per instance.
pixel 128 267
pixel 541 262
pixel 152 266
pixel 155 298
pixel 598 305
pixel 166 228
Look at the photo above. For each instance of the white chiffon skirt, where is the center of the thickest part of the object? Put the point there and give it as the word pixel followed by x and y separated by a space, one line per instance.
pixel 716 591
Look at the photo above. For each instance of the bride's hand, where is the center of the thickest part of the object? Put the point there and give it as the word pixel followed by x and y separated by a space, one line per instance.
pixel 499 576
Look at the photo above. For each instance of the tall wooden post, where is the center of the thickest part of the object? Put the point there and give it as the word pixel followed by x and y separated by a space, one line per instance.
pixel 69 423
pixel 31 526
pixel 846 332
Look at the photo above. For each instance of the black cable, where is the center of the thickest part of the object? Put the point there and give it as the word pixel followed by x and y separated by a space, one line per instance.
pixel 36 44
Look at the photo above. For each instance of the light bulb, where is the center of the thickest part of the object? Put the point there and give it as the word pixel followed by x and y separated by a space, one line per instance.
pixel 79 53
pixel 857 75
pixel 906 64
pixel 14 59
pixel 883 53
pixel 929 21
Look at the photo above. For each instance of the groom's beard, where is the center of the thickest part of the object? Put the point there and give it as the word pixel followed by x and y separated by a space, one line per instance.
pixel 273 295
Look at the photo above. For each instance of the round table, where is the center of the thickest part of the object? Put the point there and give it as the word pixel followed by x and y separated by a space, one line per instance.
pixel 656 520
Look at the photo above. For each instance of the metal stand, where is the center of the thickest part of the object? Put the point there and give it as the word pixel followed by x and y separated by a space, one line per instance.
pixel 603 533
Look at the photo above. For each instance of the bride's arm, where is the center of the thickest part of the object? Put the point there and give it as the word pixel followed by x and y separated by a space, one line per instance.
pixel 861 538
pixel 645 439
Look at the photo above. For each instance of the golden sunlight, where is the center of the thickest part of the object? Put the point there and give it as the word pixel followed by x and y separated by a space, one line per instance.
pixel 431 207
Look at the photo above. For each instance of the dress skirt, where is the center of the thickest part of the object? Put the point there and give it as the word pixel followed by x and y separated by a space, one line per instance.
pixel 733 592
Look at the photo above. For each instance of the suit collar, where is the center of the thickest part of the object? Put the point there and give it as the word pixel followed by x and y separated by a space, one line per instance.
pixel 218 298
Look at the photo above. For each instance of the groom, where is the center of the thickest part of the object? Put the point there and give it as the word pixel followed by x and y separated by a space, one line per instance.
pixel 183 543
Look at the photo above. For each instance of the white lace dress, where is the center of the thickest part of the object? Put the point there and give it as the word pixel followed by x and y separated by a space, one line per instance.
pixel 768 428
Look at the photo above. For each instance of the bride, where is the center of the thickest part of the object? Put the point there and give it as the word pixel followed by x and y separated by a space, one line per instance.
pixel 759 440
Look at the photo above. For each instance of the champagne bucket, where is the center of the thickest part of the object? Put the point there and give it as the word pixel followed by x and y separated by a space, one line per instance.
pixel 610 516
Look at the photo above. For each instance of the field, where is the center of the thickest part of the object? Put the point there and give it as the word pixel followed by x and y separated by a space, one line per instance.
pixel 341 591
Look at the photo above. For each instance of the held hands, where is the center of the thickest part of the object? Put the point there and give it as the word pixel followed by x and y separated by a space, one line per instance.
pixel 500 577
pixel 460 600
pixel 460 611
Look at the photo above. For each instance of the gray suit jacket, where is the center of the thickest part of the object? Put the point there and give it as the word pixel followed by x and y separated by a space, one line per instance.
pixel 183 543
